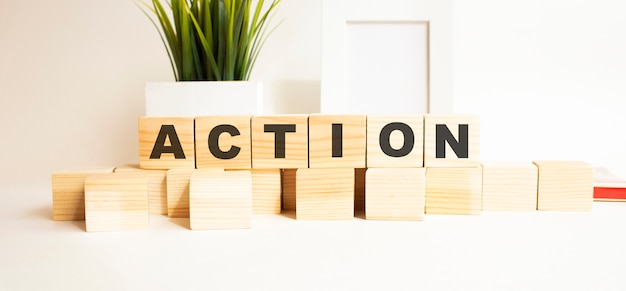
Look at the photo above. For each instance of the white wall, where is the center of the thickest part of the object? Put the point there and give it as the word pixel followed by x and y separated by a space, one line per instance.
pixel 547 78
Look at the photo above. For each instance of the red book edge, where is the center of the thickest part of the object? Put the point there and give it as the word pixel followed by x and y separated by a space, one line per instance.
pixel 606 193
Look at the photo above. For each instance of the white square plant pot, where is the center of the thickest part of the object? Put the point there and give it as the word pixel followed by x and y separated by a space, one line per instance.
pixel 203 98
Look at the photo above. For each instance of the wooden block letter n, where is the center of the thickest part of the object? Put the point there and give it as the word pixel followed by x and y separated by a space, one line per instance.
pixel 451 141
pixel 166 143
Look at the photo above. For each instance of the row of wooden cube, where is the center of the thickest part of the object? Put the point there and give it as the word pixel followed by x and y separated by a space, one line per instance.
pixel 309 141
pixel 384 193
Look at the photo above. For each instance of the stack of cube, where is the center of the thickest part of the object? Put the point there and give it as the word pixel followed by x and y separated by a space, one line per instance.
pixel 219 170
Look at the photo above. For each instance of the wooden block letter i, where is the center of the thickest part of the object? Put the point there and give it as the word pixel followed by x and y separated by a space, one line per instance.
pixel 166 143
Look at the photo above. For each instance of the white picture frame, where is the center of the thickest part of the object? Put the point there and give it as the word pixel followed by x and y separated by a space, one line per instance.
pixel 337 14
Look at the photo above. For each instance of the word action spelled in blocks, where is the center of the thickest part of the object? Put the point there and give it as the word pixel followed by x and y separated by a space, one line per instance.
pixel 280 142
pixel 404 200
pixel 157 186
pixel 336 141
pixel 564 185
pixel 509 186
pixel 220 199
pixel 117 201
pixel 166 143
pixel 453 190
pixel 223 142
pixel 451 141
pixel 68 193
pixel 395 141
pixel 325 194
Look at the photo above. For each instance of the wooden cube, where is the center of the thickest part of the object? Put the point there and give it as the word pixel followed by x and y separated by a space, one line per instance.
pixel 325 194
pixel 289 189
pixel 280 142
pixel 453 190
pixel 266 191
pixel 337 141
pixel 220 199
pixel 395 193
pixel 157 186
pixel 359 189
pixel 115 202
pixel 68 193
pixel 564 185
pixel 451 140
pixel 223 142
pixel 395 141
pixel 166 143
pixel 509 186
pixel 178 192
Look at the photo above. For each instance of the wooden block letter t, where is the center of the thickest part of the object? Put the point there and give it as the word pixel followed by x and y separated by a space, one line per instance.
pixel 166 143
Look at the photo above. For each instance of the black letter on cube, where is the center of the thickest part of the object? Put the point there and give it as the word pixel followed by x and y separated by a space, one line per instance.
pixel 167 131
pixel 385 144
pixel 460 147
pixel 279 131
pixel 214 145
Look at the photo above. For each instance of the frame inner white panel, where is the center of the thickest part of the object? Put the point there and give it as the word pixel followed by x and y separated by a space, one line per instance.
pixel 383 81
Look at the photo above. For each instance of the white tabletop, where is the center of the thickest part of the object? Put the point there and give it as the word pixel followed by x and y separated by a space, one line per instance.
pixel 493 251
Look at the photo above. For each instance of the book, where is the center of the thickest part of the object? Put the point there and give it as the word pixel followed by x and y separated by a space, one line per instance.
pixel 607 186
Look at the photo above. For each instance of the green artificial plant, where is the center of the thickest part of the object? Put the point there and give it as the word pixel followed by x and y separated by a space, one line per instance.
pixel 211 40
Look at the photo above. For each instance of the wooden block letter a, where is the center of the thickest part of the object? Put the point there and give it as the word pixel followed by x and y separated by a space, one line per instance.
pixel 166 143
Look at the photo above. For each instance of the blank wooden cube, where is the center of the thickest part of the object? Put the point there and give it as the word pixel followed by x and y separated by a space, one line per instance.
pixel 337 141
pixel 451 140
pixel 453 190
pixel 395 193
pixel 266 191
pixel 223 142
pixel 289 189
pixel 178 192
pixel 325 194
pixel 280 142
pixel 359 189
pixel 166 143
pixel 220 199
pixel 395 141
pixel 68 193
pixel 509 186
pixel 157 187
pixel 115 202
pixel 564 185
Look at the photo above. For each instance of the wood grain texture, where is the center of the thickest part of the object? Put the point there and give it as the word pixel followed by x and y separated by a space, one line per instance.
pixel 157 186
pixel 178 192
pixel 289 189
pixel 352 140
pixel 68 193
pixel 452 122
pixel 204 157
pixel 453 190
pixel 325 194
pixel 149 128
pixel 509 186
pixel 220 200
pixel 266 191
pixel 395 193
pixel 116 202
pixel 359 189
pixel 564 185
pixel 296 143
pixel 376 158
